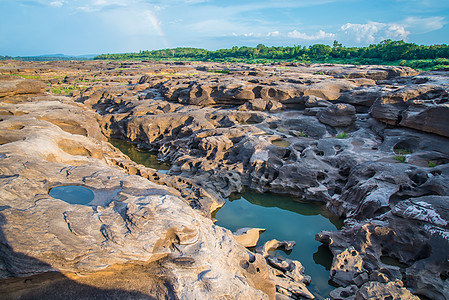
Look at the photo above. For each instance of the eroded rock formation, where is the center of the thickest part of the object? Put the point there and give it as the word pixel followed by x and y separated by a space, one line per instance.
pixel 371 142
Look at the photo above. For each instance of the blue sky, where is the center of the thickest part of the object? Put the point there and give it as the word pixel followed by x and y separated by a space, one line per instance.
pixel 74 27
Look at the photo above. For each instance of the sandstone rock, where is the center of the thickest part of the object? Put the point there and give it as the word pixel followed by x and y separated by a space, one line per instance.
pixel 337 115
pixel 344 293
pixel 205 125
pixel 274 245
pixel 418 106
pixel 391 290
pixel 12 85
pixel 313 101
pixel 248 237
pixel 138 221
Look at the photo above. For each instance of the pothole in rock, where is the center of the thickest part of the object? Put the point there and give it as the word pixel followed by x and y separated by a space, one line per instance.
pixel 281 143
pixel 391 261
pixel 405 147
pixel 73 194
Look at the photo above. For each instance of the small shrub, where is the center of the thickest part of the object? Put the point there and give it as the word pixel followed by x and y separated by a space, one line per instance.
pixel 400 158
pixel 342 135
pixel 431 164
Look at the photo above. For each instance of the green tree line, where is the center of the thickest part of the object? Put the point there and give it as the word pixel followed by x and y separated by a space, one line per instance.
pixel 386 52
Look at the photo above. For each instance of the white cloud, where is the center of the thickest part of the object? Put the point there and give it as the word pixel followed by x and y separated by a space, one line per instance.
pixel 424 25
pixel 258 35
pixel 57 3
pixel 374 31
pixel 320 35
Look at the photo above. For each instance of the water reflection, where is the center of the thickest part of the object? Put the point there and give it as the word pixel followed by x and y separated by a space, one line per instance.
pixel 286 219
pixel 140 156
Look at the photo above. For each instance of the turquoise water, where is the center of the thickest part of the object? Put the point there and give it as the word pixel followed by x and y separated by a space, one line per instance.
pixel 286 219
pixel 140 156
pixel 72 194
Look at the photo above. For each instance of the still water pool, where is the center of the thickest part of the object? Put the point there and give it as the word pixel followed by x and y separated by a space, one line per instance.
pixel 284 218
pixel 73 194
pixel 140 155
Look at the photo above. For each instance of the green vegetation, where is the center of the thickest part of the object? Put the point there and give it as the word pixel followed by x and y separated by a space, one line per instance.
pixel 431 164
pixel 400 158
pixel 387 52
pixel 342 135
pixel 61 90
pixel 24 76
pixel 219 71
pixel 400 151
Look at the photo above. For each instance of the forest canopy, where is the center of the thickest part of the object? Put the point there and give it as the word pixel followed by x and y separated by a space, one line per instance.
pixel 387 52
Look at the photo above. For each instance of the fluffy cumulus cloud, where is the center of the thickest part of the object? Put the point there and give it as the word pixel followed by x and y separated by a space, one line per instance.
pixel 374 32
pixel 320 35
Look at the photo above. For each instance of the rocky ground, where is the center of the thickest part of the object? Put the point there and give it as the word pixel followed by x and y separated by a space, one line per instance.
pixel 372 142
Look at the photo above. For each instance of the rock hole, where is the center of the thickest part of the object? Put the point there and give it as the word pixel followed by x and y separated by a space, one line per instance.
pixel 353 253
pixel 405 147
pixel 319 153
pixel 252 258
pixel 345 172
pixel 320 177
pixel 444 275
pixel 418 178
pixel 436 172
pixel 344 294
pixel 257 270
pixel 388 298
pixel 72 194
pixel 272 93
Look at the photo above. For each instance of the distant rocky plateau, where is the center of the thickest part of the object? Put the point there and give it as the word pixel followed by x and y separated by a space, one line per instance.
pixel 371 142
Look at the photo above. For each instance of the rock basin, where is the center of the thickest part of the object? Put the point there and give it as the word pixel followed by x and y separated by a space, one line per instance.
pixel 73 194
pixel 285 218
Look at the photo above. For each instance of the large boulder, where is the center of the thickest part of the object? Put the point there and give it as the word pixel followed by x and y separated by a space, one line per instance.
pixel 337 115
pixel 13 85
pixel 419 106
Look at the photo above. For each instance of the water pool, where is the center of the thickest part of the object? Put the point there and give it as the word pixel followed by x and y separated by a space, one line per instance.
pixel 284 218
pixel 73 194
pixel 140 156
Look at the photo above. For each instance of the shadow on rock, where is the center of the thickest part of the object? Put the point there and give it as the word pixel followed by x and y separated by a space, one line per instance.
pixel 116 282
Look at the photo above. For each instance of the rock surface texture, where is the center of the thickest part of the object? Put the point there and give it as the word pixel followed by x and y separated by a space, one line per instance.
pixel 371 142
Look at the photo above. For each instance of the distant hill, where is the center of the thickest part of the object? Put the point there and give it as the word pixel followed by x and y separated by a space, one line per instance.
pixel 50 57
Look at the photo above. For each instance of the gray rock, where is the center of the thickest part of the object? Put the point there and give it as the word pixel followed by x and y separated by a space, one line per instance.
pixel 337 115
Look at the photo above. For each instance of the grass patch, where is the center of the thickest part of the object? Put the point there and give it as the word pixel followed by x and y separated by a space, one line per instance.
pixel 219 71
pixel 400 158
pixel 63 91
pixel 431 164
pixel 342 135
pixel 24 76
